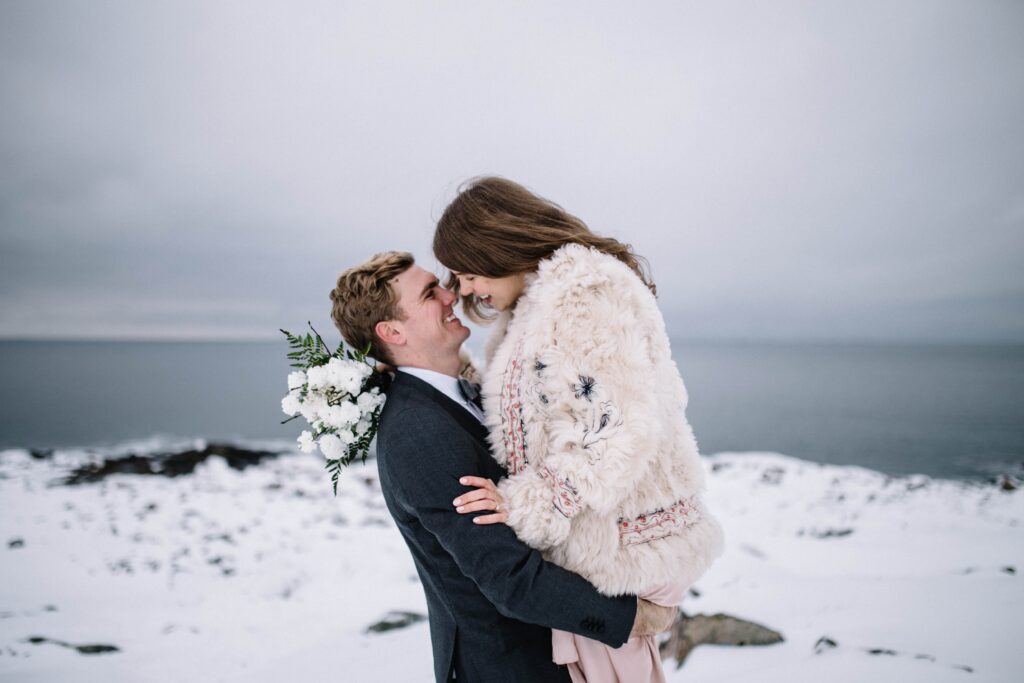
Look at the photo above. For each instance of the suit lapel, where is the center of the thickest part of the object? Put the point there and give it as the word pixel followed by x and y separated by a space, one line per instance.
pixel 461 415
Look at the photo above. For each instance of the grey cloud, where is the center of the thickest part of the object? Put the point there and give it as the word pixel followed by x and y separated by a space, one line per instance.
pixel 828 170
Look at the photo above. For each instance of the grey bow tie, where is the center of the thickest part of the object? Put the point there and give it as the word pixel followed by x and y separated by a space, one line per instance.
pixel 470 392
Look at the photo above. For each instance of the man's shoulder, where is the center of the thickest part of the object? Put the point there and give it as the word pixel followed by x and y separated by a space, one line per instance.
pixel 406 399
pixel 409 412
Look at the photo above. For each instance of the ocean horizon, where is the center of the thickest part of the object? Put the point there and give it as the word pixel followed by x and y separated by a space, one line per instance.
pixel 943 410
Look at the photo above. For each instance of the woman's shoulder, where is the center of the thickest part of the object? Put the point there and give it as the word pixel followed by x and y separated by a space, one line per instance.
pixel 575 272
pixel 574 257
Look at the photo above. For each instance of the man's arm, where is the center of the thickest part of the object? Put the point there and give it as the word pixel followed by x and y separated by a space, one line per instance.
pixel 513 576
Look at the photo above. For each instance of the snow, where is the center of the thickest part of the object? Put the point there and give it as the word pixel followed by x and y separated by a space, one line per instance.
pixel 263 575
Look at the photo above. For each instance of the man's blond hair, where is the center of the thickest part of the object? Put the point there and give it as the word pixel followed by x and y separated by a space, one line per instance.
pixel 363 297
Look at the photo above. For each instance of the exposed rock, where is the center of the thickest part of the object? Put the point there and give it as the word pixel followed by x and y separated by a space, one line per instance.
pixel 166 464
pixel 395 620
pixel 91 649
pixel 831 533
pixel 16 543
pixel 824 643
pixel 716 629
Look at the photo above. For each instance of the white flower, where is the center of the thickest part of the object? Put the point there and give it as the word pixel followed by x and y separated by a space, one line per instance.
pixel 291 405
pixel 317 377
pixel 346 436
pixel 314 407
pixel 341 416
pixel 362 426
pixel 306 443
pixel 367 403
pixel 332 447
pixel 345 375
pixel 296 379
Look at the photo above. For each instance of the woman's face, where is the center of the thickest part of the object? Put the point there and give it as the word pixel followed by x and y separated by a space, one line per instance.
pixel 500 293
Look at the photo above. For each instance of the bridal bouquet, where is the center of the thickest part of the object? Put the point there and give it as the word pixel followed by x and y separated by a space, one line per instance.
pixel 339 394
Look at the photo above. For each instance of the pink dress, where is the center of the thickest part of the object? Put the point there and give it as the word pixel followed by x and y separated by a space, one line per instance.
pixel 638 661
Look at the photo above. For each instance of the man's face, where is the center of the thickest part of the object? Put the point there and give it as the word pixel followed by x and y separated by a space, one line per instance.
pixel 430 327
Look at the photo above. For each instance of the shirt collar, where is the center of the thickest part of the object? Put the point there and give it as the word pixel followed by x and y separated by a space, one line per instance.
pixel 446 384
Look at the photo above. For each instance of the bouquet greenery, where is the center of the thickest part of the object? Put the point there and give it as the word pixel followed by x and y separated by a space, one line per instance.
pixel 339 394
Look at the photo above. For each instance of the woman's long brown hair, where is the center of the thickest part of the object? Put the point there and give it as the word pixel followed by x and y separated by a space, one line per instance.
pixel 496 227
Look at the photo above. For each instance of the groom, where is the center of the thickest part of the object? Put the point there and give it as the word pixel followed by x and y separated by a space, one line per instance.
pixel 491 599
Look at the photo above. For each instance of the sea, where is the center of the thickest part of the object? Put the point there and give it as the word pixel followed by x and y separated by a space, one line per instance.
pixel 940 410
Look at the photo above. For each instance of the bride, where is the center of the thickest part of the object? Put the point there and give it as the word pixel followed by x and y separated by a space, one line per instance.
pixel 585 409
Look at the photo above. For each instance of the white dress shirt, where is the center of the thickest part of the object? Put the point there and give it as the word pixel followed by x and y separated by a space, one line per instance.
pixel 449 386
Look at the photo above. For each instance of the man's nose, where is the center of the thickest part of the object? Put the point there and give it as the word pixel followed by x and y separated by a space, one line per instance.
pixel 447 296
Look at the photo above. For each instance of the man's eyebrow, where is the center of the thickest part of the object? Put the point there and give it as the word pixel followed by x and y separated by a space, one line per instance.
pixel 430 285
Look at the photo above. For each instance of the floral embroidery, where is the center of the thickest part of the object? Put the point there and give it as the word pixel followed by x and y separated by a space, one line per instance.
pixel 536 388
pixel 602 423
pixel 513 428
pixel 660 523
pixel 585 388
pixel 566 499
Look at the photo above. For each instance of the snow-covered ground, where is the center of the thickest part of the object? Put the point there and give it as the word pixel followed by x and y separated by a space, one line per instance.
pixel 262 575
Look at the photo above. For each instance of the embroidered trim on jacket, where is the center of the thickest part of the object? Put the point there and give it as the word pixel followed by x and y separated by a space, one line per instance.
pixel 513 428
pixel 660 523
pixel 566 499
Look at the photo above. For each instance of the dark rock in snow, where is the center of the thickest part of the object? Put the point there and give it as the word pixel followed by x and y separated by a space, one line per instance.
pixel 166 464
pixel 832 533
pixel 1007 483
pixel 824 643
pixel 716 629
pixel 16 543
pixel 395 620
pixel 90 649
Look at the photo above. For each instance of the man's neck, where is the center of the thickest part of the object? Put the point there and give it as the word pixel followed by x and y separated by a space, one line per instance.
pixel 445 366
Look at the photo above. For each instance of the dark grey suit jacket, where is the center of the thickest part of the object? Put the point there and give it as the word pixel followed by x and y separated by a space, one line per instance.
pixel 491 599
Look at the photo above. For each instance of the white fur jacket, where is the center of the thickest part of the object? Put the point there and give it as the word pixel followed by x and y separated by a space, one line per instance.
pixel 585 408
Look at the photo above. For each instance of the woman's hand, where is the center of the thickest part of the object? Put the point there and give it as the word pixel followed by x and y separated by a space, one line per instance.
pixel 485 497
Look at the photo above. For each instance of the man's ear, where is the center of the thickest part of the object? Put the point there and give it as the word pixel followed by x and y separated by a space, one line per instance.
pixel 389 332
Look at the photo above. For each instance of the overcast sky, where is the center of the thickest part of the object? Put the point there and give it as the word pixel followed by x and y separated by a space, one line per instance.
pixel 829 170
